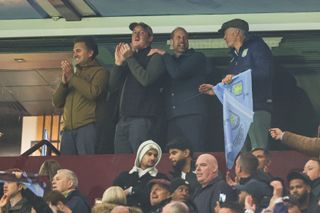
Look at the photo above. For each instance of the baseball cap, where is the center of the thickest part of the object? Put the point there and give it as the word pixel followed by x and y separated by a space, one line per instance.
pixel 176 182
pixel 237 23
pixel 298 175
pixel 143 25
pixel 256 189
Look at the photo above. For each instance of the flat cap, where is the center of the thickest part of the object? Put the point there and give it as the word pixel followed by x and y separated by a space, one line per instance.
pixel 236 23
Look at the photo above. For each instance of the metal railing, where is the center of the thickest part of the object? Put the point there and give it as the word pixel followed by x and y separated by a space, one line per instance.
pixel 43 143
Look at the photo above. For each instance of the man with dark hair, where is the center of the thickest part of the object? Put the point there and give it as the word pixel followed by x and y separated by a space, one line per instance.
pixel 138 76
pixel 57 202
pixel 300 189
pixel 186 110
pixel 246 167
pixel 264 159
pixel 81 93
pixel 180 154
pixel 250 52
pixel 12 199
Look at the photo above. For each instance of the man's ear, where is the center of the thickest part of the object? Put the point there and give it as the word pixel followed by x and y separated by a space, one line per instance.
pixel 186 152
pixel 90 53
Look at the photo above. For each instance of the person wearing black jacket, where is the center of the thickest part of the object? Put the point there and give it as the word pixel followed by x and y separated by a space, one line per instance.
pixel 138 76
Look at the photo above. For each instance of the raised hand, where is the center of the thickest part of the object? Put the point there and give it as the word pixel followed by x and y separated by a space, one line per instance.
pixel 276 133
pixel 230 181
pixel 118 57
pixel 227 79
pixel 67 71
pixel 206 89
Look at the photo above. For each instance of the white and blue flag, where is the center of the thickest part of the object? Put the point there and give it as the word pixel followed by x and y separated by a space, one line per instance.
pixel 236 98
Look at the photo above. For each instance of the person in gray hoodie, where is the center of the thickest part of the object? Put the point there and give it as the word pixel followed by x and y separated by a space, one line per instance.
pixel 134 182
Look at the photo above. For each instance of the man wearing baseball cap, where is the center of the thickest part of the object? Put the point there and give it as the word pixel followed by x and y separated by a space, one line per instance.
pixel 138 79
pixel 250 52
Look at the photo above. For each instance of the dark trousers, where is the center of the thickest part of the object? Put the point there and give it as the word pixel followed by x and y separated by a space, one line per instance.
pixel 80 141
pixel 192 127
pixel 130 133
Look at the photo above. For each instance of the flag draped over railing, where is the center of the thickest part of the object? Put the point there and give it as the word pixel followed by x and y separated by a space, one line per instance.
pixel 236 98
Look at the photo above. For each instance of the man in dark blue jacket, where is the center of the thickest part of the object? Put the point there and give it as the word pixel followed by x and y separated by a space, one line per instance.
pixel 186 111
pixel 250 52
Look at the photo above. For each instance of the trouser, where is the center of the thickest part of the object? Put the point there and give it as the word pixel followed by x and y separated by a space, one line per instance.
pixel 258 135
pixel 191 127
pixel 130 133
pixel 80 141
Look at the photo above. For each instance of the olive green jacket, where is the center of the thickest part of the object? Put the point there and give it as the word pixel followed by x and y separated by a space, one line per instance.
pixel 83 94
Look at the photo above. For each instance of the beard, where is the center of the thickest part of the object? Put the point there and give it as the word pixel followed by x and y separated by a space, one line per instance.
pixel 179 165
pixel 301 199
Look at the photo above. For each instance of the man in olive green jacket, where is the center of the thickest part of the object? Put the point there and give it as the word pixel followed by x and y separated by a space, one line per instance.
pixel 81 93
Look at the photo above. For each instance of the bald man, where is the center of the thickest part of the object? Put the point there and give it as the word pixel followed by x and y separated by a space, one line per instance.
pixel 213 187
pixel 175 207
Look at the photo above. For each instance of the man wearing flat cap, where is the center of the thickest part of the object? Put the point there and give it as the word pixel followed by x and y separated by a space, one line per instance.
pixel 138 77
pixel 250 52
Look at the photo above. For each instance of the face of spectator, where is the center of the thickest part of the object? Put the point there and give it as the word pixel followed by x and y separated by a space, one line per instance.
pixel 205 169
pixel 11 189
pixel 298 189
pixel 175 155
pixel 230 36
pixel 312 169
pixel 81 53
pixel 61 183
pixel 158 193
pixel 179 41
pixel 181 193
pixel 140 38
pixel 149 159
pixel 262 158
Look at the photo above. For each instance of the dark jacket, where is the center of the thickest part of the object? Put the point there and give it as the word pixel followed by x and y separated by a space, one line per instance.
pixel 205 198
pixel 77 202
pixel 82 96
pixel 255 54
pixel 23 206
pixel 190 176
pixel 36 202
pixel 186 73
pixel 315 197
pixel 140 191
pixel 139 78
